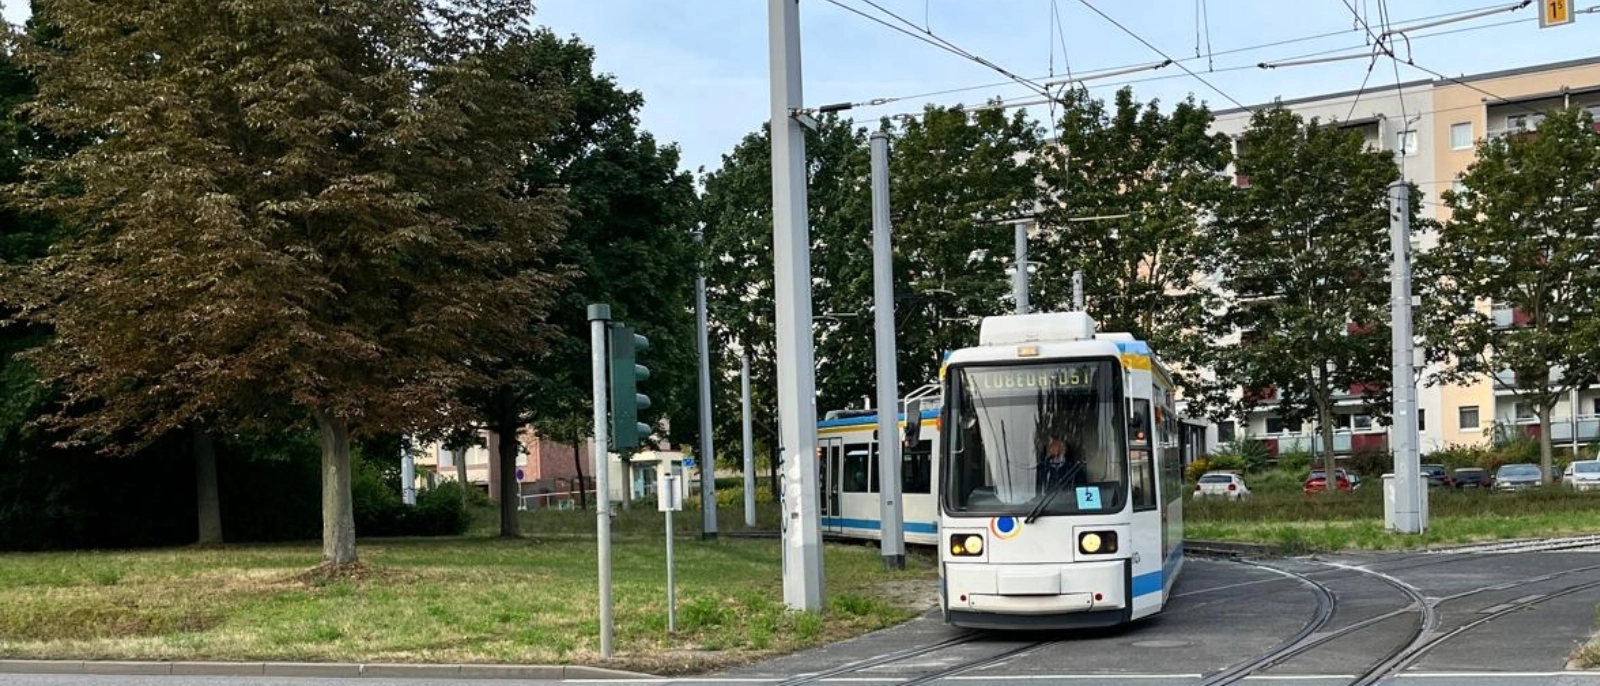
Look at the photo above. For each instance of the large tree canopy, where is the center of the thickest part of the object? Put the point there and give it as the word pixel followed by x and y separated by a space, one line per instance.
pixel 1304 269
pixel 1521 239
pixel 288 209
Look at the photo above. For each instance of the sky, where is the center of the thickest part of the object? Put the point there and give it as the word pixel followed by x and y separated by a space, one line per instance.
pixel 702 64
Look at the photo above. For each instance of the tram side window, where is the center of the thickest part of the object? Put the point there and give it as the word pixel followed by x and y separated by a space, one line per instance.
pixel 916 470
pixel 1141 457
pixel 857 475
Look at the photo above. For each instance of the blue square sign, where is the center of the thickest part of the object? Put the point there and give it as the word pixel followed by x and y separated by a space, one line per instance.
pixel 1089 497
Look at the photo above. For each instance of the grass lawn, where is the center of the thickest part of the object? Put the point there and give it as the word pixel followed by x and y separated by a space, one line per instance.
pixel 1346 521
pixel 471 599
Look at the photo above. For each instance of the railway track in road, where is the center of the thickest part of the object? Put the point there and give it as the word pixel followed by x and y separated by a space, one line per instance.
pixel 907 654
pixel 1424 637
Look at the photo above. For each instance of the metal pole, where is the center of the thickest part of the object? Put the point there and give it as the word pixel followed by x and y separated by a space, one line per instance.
pixel 408 475
pixel 599 320
pixel 1408 516
pixel 892 544
pixel 672 602
pixel 749 437
pixel 708 462
pixel 1019 280
pixel 791 243
pixel 1574 414
pixel 1077 290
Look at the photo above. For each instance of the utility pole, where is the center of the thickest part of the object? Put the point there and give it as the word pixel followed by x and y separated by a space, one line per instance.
pixel 892 542
pixel 749 436
pixel 1408 513
pixel 408 474
pixel 1019 280
pixel 599 320
pixel 1077 290
pixel 791 244
pixel 708 462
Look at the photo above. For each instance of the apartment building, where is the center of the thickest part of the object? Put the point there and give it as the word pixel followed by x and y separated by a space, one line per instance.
pixel 1432 127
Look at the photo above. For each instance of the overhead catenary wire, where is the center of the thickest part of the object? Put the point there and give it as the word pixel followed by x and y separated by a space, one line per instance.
pixel 927 36
pixel 1021 102
pixel 1162 53
pixel 1459 14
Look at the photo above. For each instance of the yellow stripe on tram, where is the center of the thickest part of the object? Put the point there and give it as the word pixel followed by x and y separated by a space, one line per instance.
pixel 1136 361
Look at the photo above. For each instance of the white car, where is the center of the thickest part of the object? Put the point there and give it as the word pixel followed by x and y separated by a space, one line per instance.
pixel 1225 484
pixel 1583 475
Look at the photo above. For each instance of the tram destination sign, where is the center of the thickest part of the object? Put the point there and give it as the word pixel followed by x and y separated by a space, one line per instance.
pixel 1034 378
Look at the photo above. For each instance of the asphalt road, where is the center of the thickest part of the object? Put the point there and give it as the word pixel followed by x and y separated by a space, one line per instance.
pixel 1494 619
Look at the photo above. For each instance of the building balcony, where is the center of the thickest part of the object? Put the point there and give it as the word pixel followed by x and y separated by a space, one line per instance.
pixel 1561 428
pixel 1505 381
pixel 1344 442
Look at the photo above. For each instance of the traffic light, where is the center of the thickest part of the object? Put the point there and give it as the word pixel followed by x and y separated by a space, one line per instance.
pixel 626 400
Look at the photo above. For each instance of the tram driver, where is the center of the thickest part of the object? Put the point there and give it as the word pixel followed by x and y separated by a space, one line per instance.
pixel 1056 467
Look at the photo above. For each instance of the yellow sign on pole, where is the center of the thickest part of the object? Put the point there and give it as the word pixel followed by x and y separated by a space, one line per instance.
pixel 1554 13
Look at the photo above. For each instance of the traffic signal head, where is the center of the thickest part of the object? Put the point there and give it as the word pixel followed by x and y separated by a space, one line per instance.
pixel 626 400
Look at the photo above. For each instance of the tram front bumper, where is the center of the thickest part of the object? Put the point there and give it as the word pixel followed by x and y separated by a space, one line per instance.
pixel 1037 589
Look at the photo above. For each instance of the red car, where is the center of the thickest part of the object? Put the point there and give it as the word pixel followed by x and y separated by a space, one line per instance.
pixel 1319 482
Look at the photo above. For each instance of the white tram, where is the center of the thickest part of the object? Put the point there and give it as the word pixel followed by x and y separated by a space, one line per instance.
pixel 847 446
pixel 1025 542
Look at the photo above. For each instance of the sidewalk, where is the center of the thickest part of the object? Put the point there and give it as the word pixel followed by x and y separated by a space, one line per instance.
pixel 316 669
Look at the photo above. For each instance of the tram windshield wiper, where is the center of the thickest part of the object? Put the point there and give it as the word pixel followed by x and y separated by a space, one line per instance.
pixel 1050 494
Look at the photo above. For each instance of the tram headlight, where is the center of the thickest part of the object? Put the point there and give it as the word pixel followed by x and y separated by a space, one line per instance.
pixel 966 545
pixel 1097 542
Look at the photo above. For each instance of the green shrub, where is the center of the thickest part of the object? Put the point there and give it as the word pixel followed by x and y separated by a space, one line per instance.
pixel 1295 461
pixel 1370 462
pixel 1225 462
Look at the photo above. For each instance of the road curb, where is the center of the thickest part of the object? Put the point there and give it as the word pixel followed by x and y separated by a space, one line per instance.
pixel 316 669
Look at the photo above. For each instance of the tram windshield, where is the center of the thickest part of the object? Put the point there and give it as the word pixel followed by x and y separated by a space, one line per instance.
pixel 1035 439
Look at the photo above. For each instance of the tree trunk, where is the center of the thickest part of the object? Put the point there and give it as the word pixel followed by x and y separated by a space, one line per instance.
pixel 338 511
pixel 577 461
pixel 205 477
pixel 1545 461
pixel 506 425
pixel 1325 429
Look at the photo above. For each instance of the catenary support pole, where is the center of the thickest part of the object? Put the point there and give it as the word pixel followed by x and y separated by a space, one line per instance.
pixel 791 242
pixel 1077 290
pixel 1019 280
pixel 599 320
pixel 748 438
pixel 708 461
pixel 1408 515
pixel 408 474
pixel 893 543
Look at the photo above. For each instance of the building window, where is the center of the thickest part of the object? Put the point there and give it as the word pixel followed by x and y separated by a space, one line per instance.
pixel 1468 419
pixel 1422 419
pixel 1363 422
pixel 1406 142
pixel 1274 425
pixel 1524 411
pixel 1225 431
pixel 1461 136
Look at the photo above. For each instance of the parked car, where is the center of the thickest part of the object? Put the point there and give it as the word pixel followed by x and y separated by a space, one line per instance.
pixel 1437 476
pixel 1583 475
pixel 1471 477
pixel 1318 481
pixel 1517 477
pixel 1226 484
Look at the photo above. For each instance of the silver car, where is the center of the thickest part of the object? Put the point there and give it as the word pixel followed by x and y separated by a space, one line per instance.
pixel 1517 477
pixel 1583 475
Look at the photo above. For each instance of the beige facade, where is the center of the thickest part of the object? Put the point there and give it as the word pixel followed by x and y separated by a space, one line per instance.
pixel 1466 113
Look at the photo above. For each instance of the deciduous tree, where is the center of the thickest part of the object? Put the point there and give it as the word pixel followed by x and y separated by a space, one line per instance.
pixel 289 210
pixel 1304 270
pixel 1521 239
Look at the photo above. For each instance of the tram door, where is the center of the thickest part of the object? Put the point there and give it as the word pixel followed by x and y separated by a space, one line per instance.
pixel 832 476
